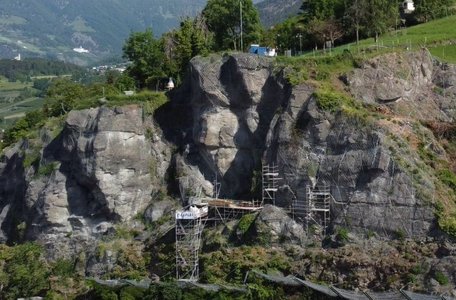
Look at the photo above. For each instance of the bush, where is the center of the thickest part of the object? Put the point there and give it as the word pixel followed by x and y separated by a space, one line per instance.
pixel 400 234
pixel 342 235
pixel 165 291
pixel 23 127
pixel 25 269
pixel 441 278
pixel 47 169
pixel 448 178
pixel 63 268
pixel 244 223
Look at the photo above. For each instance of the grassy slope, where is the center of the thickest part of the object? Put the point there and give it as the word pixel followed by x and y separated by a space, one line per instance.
pixel 439 36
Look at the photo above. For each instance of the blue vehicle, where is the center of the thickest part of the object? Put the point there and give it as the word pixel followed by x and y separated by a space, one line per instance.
pixel 263 51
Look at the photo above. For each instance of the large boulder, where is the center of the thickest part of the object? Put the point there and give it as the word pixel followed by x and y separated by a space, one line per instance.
pixel 273 225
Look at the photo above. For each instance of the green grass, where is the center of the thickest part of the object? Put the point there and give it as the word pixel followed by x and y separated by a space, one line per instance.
pixel 445 52
pixel 438 36
pixel 299 69
pixel 6 85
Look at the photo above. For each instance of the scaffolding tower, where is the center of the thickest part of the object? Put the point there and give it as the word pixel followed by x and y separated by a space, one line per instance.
pixel 314 208
pixel 189 226
pixel 318 207
pixel 270 183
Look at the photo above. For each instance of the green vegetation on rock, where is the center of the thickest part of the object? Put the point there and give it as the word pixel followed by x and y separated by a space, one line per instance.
pixel 23 271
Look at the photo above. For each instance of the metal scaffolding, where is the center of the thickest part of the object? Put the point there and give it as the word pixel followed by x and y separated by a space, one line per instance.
pixel 225 210
pixel 313 208
pixel 189 226
pixel 270 183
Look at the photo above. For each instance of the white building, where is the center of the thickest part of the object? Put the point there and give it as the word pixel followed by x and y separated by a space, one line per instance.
pixel 408 6
pixel 80 50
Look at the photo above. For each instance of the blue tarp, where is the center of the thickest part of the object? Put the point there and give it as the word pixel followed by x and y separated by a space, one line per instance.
pixel 256 49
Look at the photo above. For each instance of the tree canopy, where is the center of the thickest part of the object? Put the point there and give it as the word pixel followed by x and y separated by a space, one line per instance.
pixel 427 10
pixel 223 19
pixel 147 57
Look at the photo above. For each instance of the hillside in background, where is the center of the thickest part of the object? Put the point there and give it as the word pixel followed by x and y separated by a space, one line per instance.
pixel 52 28
pixel 275 11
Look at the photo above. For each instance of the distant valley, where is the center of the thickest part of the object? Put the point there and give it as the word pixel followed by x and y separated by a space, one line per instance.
pixel 53 28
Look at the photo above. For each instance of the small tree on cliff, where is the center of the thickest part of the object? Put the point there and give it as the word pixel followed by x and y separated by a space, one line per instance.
pixel 223 19
pixel 191 39
pixel 147 57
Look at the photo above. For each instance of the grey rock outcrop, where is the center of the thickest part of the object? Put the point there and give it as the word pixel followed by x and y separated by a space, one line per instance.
pixel 242 114
pixel 233 114
pixel 104 168
pixel 413 82
pixel 275 226
pixel 233 100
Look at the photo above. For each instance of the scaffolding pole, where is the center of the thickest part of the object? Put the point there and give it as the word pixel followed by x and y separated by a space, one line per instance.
pixel 318 207
pixel 315 208
pixel 189 227
pixel 270 183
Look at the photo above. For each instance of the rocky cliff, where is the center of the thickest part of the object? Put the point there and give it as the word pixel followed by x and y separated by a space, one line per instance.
pixel 233 114
pixel 102 169
pixel 244 113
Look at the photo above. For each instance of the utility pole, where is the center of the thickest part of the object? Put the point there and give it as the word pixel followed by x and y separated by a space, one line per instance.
pixel 299 35
pixel 240 13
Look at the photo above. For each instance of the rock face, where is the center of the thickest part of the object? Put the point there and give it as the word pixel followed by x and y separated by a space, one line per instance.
pixel 233 100
pixel 418 86
pixel 370 190
pixel 243 114
pixel 104 167
pixel 233 114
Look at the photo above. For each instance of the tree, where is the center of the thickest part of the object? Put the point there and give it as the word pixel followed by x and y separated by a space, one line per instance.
pixel 322 9
pixel 223 19
pixel 147 57
pixel 356 16
pixel 381 15
pixel 324 30
pixel 62 96
pixel 193 38
pixel 285 35
pixel 427 10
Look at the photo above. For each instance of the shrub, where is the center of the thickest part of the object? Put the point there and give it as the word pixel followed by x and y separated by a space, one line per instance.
pixel 23 127
pixel 417 269
pixel 47 169
pixel 400 234
pixel 342 235
pixel 441 278
pixel 448 178
pixel 63 268
pixel 328 100
pixel 27 272
pixel 244 223
pixel 31 158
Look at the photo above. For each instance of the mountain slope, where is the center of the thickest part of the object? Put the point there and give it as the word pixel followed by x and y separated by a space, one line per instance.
pixel 276 11
pixel 54 27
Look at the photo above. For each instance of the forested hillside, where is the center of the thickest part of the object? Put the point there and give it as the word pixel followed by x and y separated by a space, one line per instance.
pixel 273 12
pixel 53 28
pixel 33 67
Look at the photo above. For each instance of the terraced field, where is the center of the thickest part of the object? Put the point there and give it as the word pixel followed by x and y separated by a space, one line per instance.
pixel 16 99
